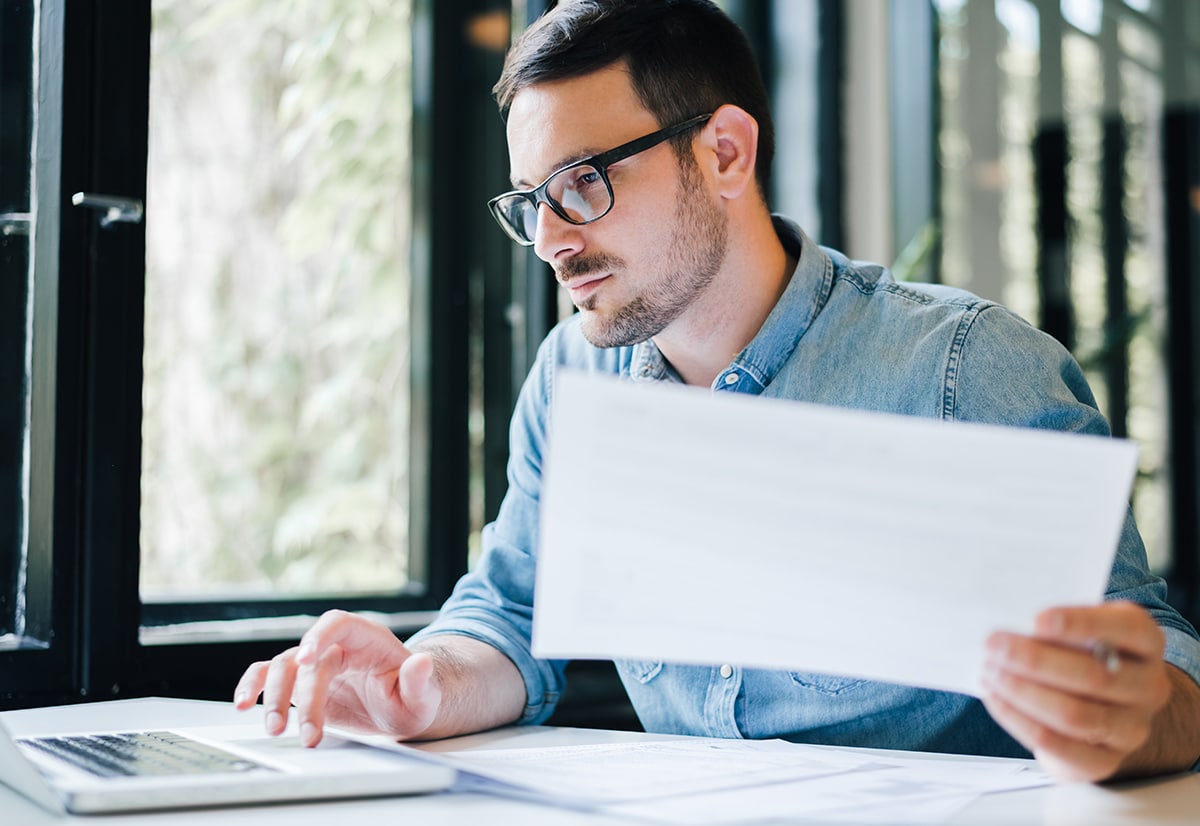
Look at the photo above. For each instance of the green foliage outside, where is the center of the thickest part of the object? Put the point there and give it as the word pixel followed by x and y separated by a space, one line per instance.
pixel 275 433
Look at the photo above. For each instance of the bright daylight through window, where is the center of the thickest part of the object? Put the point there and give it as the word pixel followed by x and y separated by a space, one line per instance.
pixel 275 453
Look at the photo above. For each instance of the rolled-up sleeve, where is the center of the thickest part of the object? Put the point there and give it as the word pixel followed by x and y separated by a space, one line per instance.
pixel 494 602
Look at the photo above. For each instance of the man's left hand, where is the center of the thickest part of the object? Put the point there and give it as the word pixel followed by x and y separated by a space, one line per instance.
pixel 1082 693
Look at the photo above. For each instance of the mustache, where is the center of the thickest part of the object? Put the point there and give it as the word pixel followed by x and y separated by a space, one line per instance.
pixel 586 265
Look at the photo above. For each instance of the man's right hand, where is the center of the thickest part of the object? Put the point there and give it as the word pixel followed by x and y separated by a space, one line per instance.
pixel 347 671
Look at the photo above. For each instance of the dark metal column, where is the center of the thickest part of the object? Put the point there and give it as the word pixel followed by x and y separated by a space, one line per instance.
pixel 1181 164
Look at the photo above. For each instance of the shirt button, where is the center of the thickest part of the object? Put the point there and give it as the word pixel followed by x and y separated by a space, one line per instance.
pixel 727 671
pixel 731 378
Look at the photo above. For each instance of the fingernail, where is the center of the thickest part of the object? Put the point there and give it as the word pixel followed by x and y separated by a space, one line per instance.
pixel 275 722
pixel 239 698
pixel 305 653
pixel 309 734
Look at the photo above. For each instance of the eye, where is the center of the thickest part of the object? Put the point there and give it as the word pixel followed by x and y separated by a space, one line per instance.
pixel 582 178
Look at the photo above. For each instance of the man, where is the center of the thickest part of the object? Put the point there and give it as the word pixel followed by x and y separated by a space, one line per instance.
pixel 640 145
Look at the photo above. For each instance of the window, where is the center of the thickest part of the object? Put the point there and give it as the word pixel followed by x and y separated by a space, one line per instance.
pixel 1090 86
pixel 275 459
pixel 252 403
pixel 1044 154
pixel 1055 162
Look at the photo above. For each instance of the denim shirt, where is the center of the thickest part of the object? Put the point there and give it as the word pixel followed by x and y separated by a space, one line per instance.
pixel 843 333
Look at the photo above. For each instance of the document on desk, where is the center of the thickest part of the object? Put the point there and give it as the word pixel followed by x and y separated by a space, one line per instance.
pixel 702 780
pixel 687 526
pixel 895 790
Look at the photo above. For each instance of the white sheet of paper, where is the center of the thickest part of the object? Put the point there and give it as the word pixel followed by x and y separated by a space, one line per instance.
pixel 687 526
pixel 602 774
pixel 706 780
pixel 899 789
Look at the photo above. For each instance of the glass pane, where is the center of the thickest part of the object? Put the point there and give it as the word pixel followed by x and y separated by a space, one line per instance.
pixel 16 133
pixel 275 456
pixel 988 69
pixel 1112 105
pixel 1146 270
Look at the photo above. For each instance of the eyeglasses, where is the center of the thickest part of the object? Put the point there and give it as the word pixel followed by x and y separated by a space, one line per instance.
pixel 579 192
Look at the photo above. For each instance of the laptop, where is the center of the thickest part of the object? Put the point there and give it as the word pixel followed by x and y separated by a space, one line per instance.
pixel 100 772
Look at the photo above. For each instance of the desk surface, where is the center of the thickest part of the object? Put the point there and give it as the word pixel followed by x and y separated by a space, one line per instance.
pixel 1174 800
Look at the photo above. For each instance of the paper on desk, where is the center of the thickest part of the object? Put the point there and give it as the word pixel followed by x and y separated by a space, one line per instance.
pixel 714 781
pixel 900 789
pixel 601 774
pixel 686 526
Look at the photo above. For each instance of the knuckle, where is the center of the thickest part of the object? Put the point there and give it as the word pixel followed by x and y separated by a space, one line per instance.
pixel 1042 739
pixel 284 656
pixel 1023 653
pixel 335 616
pixel 1079 718
pixel 280 669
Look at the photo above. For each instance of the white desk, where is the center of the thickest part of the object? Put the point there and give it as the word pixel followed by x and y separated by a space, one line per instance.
pixel 1173 800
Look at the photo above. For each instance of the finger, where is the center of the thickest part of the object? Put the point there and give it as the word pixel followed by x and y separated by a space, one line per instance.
pixel 1063 757
pixel 1125 626
pixel 1073 670
pixel 353 634
pixel 277 692
pixel 1093 723
pixel 250 685
pixel 312 692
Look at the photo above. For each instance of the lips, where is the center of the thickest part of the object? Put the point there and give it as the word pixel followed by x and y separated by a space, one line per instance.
pixel 582 286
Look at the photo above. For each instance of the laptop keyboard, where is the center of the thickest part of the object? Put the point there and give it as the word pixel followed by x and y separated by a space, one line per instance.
pixel 141 753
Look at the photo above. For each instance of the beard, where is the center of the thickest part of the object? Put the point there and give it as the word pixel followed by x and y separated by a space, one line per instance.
pixel 694 254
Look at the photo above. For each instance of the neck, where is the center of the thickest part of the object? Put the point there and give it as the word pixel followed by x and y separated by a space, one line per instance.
pixel 704 340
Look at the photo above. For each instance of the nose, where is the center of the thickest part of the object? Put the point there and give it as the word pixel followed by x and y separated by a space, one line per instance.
pixel 555 237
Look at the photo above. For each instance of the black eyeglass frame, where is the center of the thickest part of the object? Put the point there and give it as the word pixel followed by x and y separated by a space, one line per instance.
pixel 600 163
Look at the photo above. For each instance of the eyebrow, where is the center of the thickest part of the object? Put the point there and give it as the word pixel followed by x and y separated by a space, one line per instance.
pixel 518 183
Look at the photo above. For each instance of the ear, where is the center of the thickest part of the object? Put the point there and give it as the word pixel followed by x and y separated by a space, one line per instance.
pixel 732 136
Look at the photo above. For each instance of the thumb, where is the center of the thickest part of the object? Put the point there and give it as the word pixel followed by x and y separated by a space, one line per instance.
pixel 419 691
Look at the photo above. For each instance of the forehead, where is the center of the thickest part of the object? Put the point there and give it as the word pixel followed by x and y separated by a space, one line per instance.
pixel 554 123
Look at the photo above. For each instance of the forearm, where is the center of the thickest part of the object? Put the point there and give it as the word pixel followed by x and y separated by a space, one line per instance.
pixel 1174 741
pixel 481 688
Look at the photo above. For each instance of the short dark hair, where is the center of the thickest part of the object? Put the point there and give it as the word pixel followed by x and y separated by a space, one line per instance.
pixel 685 58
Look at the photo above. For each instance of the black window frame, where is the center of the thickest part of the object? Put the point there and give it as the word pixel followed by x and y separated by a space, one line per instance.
pixel 16 112
pixel 83 640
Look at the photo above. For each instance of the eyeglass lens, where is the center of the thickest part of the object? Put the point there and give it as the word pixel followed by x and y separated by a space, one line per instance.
pixel 579 194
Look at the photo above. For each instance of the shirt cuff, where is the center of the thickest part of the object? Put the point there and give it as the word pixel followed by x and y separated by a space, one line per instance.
pixel 542 685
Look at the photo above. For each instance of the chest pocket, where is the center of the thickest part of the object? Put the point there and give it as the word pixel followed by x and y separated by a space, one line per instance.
pixel 829 684
pixel 641 670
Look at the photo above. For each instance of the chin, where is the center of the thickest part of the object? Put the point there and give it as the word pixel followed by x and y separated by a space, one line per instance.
pixel 597 330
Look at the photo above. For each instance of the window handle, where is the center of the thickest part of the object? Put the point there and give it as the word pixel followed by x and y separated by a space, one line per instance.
pixel 117 210
pixel 15 223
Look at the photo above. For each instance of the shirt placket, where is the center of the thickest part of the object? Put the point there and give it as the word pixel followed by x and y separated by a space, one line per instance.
pixel 720 705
